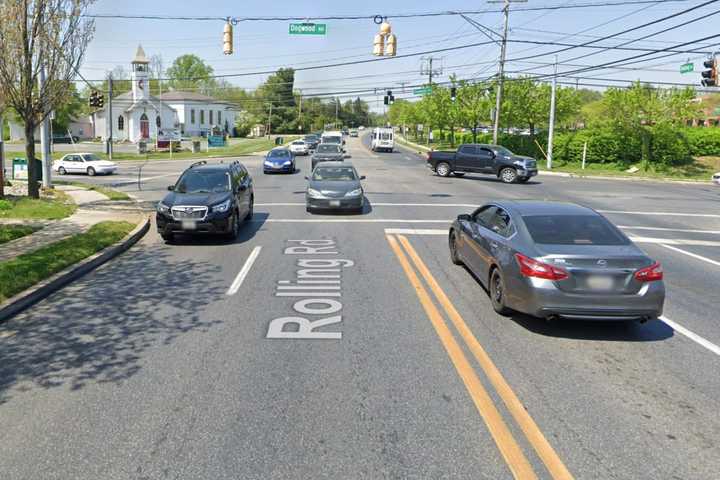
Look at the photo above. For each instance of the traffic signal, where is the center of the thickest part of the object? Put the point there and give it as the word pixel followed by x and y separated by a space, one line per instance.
pixel 91 99
pixel 710 77
pixel 453 93
pixel 100 100
pixel 228 39
pixel 96 99
pixel 380 48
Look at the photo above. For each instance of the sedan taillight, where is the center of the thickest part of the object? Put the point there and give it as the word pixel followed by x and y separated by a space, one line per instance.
pixel 650 274
pixel 530 267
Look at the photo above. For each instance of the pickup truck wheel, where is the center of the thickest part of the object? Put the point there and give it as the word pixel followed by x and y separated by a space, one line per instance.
pixel 443 169
pixel 458 174
pixel 508 175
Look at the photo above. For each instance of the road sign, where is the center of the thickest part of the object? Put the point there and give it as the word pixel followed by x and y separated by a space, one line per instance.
pixel 422 91
pixel 308 28
pixel 687 67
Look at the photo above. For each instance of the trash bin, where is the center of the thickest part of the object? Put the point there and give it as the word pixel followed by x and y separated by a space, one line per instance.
pixel 142 147
pixel 19 168
pixel 195 146
pixel 279 140
pixel 38 169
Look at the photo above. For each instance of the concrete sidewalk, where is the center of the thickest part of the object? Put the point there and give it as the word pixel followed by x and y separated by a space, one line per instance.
pixel 93 207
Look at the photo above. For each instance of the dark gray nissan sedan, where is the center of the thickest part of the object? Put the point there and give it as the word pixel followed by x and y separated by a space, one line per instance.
pixel 335 186
pixel 551 259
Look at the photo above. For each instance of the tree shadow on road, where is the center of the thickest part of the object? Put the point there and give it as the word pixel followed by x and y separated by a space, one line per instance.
pixel 98 329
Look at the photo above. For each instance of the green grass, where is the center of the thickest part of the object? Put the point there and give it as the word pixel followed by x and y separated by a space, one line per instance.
pixel 108 192
pixel 9 233
pixel 26 270
pixel 699 171
pixel 54 206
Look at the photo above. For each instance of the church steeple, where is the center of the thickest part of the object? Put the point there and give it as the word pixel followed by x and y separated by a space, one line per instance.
pixel 140 85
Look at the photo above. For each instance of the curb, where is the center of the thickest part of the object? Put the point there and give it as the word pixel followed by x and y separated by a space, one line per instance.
pixel 34 294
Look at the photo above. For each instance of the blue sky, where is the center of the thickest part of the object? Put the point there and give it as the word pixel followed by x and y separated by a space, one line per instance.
pixel 267 45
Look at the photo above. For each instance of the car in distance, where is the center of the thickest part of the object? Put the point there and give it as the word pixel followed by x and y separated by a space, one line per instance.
pixel 64 138
pixel 299 147
pixel 327 152
pixel 213 199
pixel 480 158
pixel 353 133
pixel 332 137
pixel 88 163
pixel 552 259
pixel 716 178
pixel 335 186
pixel 312 141
pixel 279 160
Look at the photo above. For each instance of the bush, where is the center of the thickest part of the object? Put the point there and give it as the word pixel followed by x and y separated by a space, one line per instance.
pixel 5 205
pixel 703 141
pixel 669 147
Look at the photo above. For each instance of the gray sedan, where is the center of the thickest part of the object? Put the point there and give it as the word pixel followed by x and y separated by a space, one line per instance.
pixel 551 259
pixel 335 186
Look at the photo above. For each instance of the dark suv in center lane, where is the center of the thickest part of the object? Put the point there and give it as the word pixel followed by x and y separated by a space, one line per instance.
pixel 207 199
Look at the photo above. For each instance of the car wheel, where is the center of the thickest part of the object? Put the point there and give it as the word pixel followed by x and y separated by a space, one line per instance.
pixel 91 171
pixel 308 209
pixel 167 237
pixel 443 169
pixel 497 292
pixel 508 175
pixel 454 257
pixel 458 174
pixel 249 215
pixel 62 171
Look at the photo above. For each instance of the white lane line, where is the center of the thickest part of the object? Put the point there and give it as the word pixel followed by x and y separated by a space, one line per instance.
pixel 661 229
pixel 690 254
pixel 664 214
pixel 347 220
pixel 416 231
pixel 671 241
pixel 375 204
pixel 692 335
pixel 237 283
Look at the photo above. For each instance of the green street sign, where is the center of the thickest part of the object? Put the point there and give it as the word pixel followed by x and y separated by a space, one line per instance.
pixel 687 67
pixel 422 91
pixel 308 29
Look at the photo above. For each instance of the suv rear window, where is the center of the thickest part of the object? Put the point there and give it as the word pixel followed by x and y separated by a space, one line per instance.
pixel 573 230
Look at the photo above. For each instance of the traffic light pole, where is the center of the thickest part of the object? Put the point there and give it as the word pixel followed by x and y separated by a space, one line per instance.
pixel 501 73
pixel 45 139
pixel 110 118
pixel 551 127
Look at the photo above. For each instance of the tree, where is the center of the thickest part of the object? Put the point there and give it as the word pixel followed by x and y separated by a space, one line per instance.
pixel 475 103
pixel 74 107
pixel 49 34
pixel 190 72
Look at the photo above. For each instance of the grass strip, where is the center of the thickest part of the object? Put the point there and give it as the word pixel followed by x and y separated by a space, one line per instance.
pixel 9 233
pixel 30 268
pixel 54 205
pixel 108 192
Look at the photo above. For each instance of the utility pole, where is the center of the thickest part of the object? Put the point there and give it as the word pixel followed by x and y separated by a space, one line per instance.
pixel 426 68
pixel 552 118
pixel 45 138
pixel 110 118
pixel 2 154
pixel 270 120
pixel 337 104
pixel 501 70
pixel 300 112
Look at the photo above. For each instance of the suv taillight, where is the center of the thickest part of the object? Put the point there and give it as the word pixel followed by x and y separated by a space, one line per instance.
pixel 530 267
pixel 650 274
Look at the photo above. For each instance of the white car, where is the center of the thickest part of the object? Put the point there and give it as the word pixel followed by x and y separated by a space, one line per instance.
pixel 299 147
pixel 88 163
pixel 716 178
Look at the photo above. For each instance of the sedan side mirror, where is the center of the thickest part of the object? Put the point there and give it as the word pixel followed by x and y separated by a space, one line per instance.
pixel 171 187
pixel 362 177
pixel 464 217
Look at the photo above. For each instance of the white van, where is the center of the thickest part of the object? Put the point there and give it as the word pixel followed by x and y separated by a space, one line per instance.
pixel 332 137
pixel 383 138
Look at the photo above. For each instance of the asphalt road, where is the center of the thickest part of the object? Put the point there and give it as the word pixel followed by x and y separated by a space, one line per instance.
pixel 162 364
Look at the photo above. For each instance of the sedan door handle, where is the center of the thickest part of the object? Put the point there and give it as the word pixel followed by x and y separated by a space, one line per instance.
pixel 493 244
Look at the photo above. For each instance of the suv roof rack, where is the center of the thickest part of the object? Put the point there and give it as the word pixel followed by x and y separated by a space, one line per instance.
pixel 197 164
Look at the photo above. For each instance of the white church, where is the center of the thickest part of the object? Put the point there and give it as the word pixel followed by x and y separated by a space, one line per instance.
pixel 138 116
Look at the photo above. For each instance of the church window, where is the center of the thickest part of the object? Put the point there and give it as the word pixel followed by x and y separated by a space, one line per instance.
pixel 158 122
pixel 202 117
pixel 219 118
pixel 211 117
pixel 121 123
pixel 192 115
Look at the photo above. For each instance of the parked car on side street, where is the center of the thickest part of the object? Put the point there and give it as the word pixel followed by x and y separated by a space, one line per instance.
pixel 64 138
pixel 88 163
pixel 481 158
pixel 209 199
pixel 554 259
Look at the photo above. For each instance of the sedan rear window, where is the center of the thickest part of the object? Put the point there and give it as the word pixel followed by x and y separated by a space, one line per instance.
pixel 328 148
pixel 573 230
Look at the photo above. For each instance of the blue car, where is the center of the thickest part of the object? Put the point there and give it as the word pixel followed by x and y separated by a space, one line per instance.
pixel 279 160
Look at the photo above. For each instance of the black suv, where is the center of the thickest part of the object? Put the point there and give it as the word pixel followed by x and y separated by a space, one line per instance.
pixel 207 199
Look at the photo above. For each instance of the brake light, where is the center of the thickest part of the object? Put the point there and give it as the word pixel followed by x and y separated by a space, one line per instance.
pixel 650 274
pixel 532 268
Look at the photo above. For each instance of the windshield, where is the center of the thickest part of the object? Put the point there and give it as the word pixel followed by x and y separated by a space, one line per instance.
pixel 573 230
pixel 279 154
pixel 325 148
pixel 336 174
pixel 198 181
pixel 91 158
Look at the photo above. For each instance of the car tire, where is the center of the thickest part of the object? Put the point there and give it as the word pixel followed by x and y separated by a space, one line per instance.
pixel 496 288
pixel 251 210
pixel 459 174
pixel 62 171
pixel 167 237
pixel 454 257
pixel 443 169
pixel 91 171
pixel 308 209
pixel 234 227
pixel 508 175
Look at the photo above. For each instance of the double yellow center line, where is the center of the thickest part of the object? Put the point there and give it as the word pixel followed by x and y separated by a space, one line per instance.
pixel 503 437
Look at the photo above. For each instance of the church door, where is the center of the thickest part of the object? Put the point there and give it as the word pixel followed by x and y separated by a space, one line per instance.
pixel 144 127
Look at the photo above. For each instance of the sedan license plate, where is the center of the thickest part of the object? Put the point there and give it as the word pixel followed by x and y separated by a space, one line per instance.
pixel 334 203
pixel 188 225
pixel 600 282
